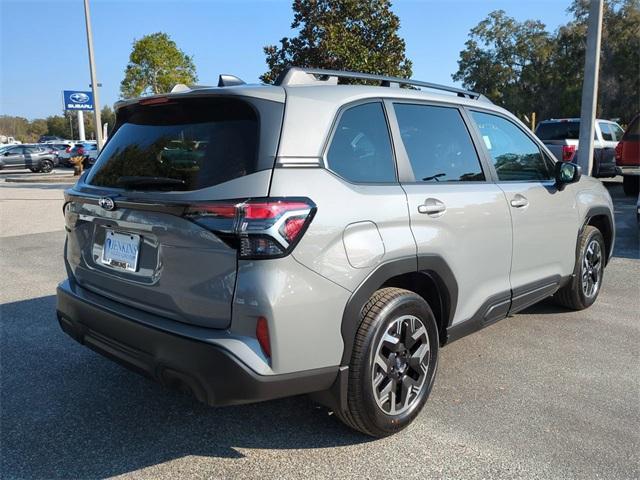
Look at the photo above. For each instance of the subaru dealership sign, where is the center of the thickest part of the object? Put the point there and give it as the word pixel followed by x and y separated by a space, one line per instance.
pixel 74 100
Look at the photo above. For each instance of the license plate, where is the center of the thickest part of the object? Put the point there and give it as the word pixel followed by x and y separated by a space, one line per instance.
pixel 121 250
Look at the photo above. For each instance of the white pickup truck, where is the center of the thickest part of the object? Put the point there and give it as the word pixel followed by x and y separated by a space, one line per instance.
pixel 4 140
pixel 560 135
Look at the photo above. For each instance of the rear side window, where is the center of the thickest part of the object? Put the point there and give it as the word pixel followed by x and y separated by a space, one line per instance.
pixel 184 144
pixel 438 144
pixel 515 156
pixel 611 131
pixel 360 149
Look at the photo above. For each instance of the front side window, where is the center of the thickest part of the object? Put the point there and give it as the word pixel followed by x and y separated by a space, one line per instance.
pixel 515 156
pixel 360 150
pixel 438 144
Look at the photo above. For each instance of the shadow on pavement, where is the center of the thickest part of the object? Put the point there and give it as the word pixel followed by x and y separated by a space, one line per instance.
pixel 627 232
pixel 67 412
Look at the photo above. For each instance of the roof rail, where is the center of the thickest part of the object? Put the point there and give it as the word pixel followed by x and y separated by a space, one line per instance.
pixel 310 76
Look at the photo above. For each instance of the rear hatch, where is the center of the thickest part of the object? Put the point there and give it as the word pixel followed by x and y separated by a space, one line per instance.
pixel 129 238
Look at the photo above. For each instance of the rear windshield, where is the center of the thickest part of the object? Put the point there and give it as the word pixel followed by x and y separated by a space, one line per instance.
pixel 558 131
pixel 185 144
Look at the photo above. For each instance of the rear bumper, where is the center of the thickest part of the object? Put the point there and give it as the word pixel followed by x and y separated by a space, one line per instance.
pixel 210 372
pixel 630 170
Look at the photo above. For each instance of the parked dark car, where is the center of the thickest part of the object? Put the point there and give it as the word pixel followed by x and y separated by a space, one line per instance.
pixel 34 157
pixel 628 158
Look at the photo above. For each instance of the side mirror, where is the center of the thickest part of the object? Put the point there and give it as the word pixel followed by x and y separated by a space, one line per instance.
pixel 567 173
pixel 6 154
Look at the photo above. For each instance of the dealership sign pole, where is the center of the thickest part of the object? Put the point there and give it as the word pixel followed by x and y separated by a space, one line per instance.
pixel 94 80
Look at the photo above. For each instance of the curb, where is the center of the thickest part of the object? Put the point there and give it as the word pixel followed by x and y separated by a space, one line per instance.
pixel 57 179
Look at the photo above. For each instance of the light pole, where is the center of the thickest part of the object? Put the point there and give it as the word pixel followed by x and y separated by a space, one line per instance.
pixel 94 80
pixel 590 87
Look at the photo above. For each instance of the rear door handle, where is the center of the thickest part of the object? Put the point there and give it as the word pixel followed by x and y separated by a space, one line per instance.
pixel 519 201
pixel 432 206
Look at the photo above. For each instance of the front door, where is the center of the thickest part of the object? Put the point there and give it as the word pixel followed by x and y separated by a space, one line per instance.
pixel 456 212
pixel 14 157
pixel 544 218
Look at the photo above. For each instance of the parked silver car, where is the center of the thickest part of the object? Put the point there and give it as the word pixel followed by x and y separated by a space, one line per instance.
pixel 245 243
pixel 34 157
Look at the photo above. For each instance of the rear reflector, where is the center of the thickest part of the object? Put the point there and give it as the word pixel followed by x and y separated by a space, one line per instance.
pixel 262 334
pixel 265 228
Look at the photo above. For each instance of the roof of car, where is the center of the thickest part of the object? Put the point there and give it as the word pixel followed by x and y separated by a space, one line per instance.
pixel 557 120
pixel 322 85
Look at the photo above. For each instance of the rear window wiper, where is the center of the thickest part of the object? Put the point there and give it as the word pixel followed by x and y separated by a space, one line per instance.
pixel 141 181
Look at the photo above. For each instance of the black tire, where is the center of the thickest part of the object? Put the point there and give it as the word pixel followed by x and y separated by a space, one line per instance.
pixel 631 185
pixel 573 295
pixel 46 166
pixel 415 365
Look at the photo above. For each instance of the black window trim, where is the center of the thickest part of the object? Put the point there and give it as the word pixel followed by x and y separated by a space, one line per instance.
pixel 405 169
pixel 485 152
pixel 334 127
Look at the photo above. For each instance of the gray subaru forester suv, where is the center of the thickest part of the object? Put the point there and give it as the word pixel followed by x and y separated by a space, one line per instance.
pixel 245 243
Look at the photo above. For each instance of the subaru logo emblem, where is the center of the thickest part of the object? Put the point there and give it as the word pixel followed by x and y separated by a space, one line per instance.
pixel 79 97
pixel 107 203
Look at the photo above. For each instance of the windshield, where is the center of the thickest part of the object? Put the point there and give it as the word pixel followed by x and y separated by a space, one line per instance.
pixel 185 144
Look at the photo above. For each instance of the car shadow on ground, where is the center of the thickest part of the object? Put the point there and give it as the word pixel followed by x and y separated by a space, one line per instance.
pixel 68 412
pixel 627 232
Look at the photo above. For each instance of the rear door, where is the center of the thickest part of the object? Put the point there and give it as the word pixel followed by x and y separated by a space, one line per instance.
pixel 128 236
pixel 456 212
pixel 544 218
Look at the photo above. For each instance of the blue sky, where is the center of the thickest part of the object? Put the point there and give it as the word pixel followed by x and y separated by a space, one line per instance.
pixel 43 46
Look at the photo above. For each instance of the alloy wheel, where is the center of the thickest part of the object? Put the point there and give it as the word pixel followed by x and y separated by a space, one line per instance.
pixel 591 268
pixel 400 365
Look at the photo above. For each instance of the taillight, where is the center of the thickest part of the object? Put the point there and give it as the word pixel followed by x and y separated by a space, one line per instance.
pixel 260 228
pixel 68 150
pixel 80 151
pixel 568 152
pixel 618 151
pixel 262 334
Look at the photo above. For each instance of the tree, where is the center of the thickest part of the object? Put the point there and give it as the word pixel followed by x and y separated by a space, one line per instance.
pixel 508 61
pixel 108 116
pixel 522 67
pixel 341 35
pixel 156 65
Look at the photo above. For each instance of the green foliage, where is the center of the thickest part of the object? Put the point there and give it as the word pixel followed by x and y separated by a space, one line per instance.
pixel 156 65
pixel 524 68
pixel 341 35
pixel 65 126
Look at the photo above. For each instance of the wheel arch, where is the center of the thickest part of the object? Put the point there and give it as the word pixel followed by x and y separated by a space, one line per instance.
pixel 426 275
pixel 602 219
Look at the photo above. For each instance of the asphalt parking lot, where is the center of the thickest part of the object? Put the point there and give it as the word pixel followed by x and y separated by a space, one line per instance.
pixel 544 394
